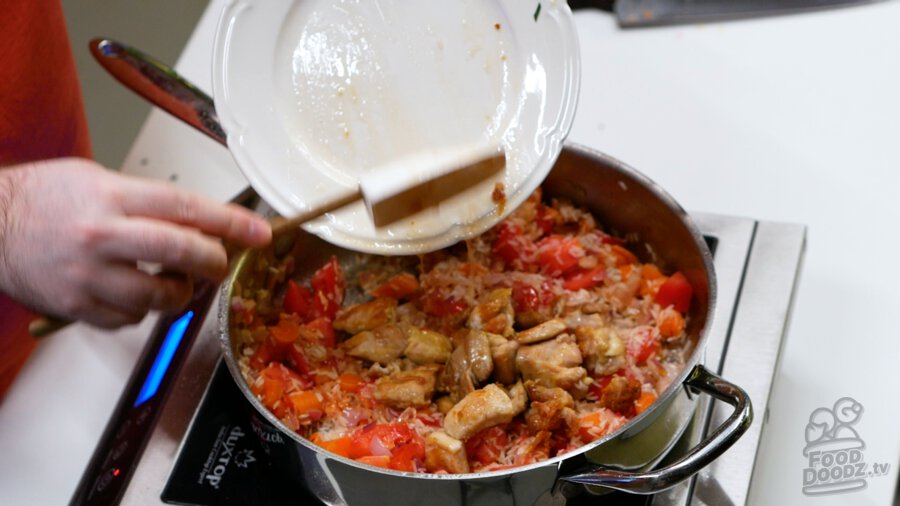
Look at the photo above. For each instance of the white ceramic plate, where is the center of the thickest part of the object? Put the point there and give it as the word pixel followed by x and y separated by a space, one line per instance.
pixel 311 92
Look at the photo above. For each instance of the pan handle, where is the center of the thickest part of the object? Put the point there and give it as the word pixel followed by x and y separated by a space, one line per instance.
pixel 702 455
pixel 159 84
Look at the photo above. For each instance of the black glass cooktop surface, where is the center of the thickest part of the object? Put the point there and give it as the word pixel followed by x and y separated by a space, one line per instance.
pixel 224 459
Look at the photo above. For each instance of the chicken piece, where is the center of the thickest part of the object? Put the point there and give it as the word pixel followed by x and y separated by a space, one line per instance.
pixel 427 346
pixel 619 395
pixel 444 404
pixel 548 408
pixel 555 363
pixel 444 452
pixel 382 345
pixel 503 353
pixel 595 307
pixel 601 349
pixel 518 396
pixel 470 364
pixel 406 389
pixel 366 316
pixel 494 313
pixel 542 332
pixel 456 379
pixel 478 355
pixel 410 314
pixel 479 410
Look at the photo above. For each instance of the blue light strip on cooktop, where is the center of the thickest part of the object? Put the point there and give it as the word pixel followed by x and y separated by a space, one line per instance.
pixel 164 358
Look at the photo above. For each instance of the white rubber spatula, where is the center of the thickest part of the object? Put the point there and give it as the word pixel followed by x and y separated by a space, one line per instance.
pixel 410 184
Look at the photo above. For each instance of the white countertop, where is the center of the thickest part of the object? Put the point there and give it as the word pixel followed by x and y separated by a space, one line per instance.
pixel 793 119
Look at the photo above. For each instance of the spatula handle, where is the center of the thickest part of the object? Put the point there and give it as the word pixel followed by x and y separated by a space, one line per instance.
pixel 280 224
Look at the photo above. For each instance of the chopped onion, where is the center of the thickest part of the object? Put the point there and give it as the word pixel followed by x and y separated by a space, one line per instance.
pixel 354 415
pixel 377 448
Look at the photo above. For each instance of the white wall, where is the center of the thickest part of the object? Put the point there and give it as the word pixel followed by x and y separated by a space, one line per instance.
pixel 159 28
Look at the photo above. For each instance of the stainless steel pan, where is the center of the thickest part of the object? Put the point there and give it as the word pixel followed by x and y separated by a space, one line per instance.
pixel 627 204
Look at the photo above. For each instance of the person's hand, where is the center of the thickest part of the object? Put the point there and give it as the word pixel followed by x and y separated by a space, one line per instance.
pixel 72 234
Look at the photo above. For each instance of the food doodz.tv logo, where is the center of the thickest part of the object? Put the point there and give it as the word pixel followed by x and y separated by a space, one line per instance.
pixel 834 450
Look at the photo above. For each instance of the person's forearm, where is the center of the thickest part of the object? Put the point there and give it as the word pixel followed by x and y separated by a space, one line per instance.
pixel 7 221
pixel 6 203
pixel 72 234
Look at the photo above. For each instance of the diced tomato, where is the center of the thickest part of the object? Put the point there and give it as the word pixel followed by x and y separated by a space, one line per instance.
pixel 512 246
pixel 675 292
pixel 671 323
pixel 437 305
pixel 298 300
pixel 269 391
pixel 388 434
pixel 643 402
pixel 297 359
pixel 287 330
pixel 328 289
pixel 409 456
pixel 319 331
pixel 305 402
pixel 546 219
pixel 651 280
pixel 268 351
pixel 376 460
pixel 622 255
pixel 557 254
pixel 397 287
pixel 273 382
pixel 486 446
pixel 525 298
pixel 643 345
pixel 585 279
pixel 650 272
pixel 531 298
pixel 595 390
pixel 587 426
pixel 340 445
pixel 350 382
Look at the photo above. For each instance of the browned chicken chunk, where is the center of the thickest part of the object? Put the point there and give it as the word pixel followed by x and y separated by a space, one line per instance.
pixel 382 345
pixel 619 395
pixel 406 389
pixel 470 364
pixel 443 452
pixel 503 353
pixel 494 313
pixel 366 316
pixel 478 355
pixel 479 410
pixel 550 407
pixel 601 348
pixel 427 346
pixel 542 332
pixel 555 363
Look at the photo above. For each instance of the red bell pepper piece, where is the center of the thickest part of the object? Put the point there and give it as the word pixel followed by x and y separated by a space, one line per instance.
pixel 675 292
pixel 328 289
pixel 298 300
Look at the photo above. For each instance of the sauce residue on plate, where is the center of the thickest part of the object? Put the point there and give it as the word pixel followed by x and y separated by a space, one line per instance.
pixel 368 82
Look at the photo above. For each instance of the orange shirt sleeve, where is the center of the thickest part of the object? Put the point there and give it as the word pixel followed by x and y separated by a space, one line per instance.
pixel 41 116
